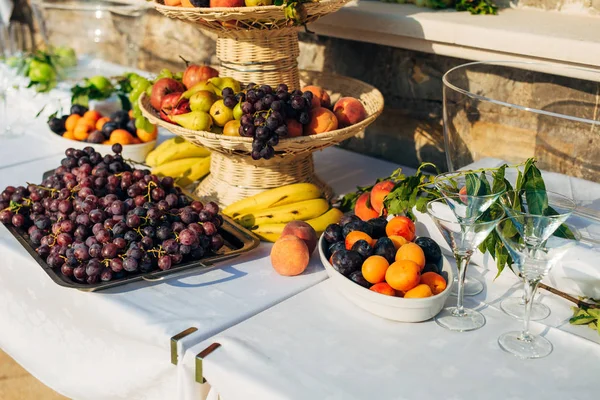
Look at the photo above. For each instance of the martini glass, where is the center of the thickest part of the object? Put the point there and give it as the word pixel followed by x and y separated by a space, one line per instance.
pixel 534 262
pixel 463 183
pixel 523 209
pixel 463 237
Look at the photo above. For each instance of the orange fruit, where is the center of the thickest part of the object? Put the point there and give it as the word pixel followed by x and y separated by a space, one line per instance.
pixel 92 115
pixel 147 136
pixel 121 136
pixel 71 122
pixel 403 275
pixel 81 132
pixel 398 241
pixel 418 291
pixel 136 140
pixel 107 142
pixel 88 123
pixel 436 282
pixel 355 236
pixel 401 226
pixel 100 123
pixel 413 252
pixel 383 288
pixel 131 116
pixel 374 268
pixel 69 135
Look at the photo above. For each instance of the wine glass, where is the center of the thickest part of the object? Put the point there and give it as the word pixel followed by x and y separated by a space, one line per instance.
pixel 524 209
pixel 463 237
pixel 461 183
pixel 534 262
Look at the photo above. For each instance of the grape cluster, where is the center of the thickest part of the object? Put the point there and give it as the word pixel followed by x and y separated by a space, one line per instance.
pixel 98 219
pixel 266 115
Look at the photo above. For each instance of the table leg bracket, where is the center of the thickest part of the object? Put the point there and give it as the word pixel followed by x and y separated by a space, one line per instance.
pixel 177 338
pixel 200 357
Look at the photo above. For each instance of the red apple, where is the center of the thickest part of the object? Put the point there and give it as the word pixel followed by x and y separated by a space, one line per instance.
pixel 227 3
pixel 163 87
pixel 198 73
pixel 168 104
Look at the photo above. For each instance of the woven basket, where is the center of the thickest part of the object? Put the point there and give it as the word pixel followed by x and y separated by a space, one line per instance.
pixel 238 22
pixel 234 175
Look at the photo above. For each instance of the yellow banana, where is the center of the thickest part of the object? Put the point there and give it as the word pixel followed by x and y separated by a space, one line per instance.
pixel 302 210
pixel 180 168
pixel 272 232
pixel 273 198
pixel 180 150
pixel 153 155
pixel 195 173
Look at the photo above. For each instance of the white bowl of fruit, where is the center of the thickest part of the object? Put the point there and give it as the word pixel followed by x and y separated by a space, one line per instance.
pixel 382 267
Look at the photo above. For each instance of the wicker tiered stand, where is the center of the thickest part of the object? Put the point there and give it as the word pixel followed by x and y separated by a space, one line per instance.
pixel 257 44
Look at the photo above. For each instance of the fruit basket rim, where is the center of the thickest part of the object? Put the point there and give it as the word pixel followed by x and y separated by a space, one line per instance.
pixel 246 10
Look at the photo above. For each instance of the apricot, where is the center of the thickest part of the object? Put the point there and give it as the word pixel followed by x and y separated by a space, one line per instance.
pixel 363 209
pixel 289 255
pixel 172 3
pixel 71 122
pixel 355 236
pixel 383 288
pixel 403 275
pixel 136 140
pixel 401 226
pixel 88 123
pixel 100 123
pixel 131 114
pixel 418 291
pixel 398 241
pixel 121 136
pixel 304 232
pixel 436 282
pixel 81 132
pixel 294 128
pixel 320 96
pixel 378 193
pixel 349 111
pixel 321 120
pixel 69 135
pixel 374 268
pixel 413 252
pixel 92 115
pixel 147 136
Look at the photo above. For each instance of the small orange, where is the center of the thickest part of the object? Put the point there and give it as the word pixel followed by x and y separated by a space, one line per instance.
pixel 413 252
pixel 121 136
pixel 107 142
pixel 147 136
pixel 92 115
pixel 130 113
pixel 436 282
pixel 69 135
pixel 398 241
pixel 383 288
pixel 418 291
pixel 81 132
pixel 71 122
pixel 355 236
pixel 100 123
pixel 374 268
pixel 403 275
pixel 91 125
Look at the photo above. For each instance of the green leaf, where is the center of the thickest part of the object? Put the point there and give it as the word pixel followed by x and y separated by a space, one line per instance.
pixel 535 190
pixel 473 184
pixel 594 312
pixel 485 184
pixel 502 258
pixel 581 317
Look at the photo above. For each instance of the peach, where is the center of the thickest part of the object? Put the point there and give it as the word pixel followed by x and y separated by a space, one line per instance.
pixel 363 209
pixel 321 120
pixel 403 275
pixel 355 236
pixel 320 96
pixel 349 111
pixel 401 226
pixel 289 256
pixel 418 291
pixel 413 252
pixel 398 241
pixel 302 231
pixel 294 128
pixel 383 288
pixel 378 193
pixel 436 282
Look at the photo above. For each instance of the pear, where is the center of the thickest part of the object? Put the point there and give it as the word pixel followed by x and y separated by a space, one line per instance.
pixel 195 120
pixel 232 128
pixel 198 87
pixel 222 83
pixel 237 111
pixel 220 113
pixel 203 100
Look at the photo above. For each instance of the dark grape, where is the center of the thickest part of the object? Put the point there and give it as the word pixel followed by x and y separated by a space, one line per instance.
pixel 18 220
pixel 164 263
pixel 106 275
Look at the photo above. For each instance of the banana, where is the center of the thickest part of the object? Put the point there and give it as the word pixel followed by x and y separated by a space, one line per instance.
pixel 302 210
pixel 197 172
pixel 174 149
pixel 272 232
pixel 273 198
pixel 187 167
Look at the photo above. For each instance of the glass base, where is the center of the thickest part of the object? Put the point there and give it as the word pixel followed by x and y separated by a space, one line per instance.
pixel 533 347
pixel 515 307
pixel 468 321
pixel 472 286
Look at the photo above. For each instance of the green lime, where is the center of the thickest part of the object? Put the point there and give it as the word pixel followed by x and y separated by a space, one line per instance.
pixel 41 72
pixel 101 83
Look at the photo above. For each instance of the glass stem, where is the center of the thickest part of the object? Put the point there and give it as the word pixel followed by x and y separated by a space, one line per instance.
pixel 530 289
pixel 462 260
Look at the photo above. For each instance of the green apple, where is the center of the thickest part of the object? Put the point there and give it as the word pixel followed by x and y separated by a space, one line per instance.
pixel 202 100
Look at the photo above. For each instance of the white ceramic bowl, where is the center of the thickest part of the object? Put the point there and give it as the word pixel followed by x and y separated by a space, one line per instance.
pixel 135 152
pixel 394 308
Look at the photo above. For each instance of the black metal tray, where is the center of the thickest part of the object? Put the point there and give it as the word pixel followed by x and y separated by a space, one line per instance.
pixel 237 239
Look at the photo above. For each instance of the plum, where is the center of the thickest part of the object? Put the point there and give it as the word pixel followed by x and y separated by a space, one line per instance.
pixel 385 247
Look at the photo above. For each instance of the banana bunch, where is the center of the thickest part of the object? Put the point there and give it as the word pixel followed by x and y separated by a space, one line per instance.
pixel 181 160
pixel 267 213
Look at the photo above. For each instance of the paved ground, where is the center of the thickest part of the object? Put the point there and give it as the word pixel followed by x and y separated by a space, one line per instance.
pixel 17 384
